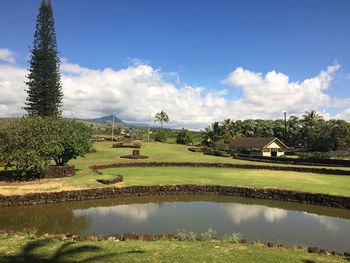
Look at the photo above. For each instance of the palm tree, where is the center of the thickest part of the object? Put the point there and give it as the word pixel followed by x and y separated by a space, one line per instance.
pixel 212 133
pixel 311 118
pixel 161 117
pixel 228 127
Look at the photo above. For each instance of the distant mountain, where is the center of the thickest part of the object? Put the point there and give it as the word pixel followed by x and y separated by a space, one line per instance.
pixel 105 119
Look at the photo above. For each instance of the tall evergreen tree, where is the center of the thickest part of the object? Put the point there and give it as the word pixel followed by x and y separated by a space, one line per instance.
pixel 44 85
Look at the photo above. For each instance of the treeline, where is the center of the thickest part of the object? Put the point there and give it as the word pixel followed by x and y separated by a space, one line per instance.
pixel 311 132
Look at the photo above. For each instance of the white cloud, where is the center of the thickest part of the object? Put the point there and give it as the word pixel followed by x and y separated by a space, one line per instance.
pixel 344 115
pixel 274 93
pixel 12 94
pixel 7 55
pixel 134 92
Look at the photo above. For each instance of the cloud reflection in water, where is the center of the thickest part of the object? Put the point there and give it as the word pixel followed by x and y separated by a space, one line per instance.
pixel 240 213
pixel 134 212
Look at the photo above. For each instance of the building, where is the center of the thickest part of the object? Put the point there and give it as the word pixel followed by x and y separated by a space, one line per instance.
pixel 259 146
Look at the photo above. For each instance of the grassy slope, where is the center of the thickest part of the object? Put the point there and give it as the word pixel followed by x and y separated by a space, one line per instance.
pixel 23 249
pixel 85 178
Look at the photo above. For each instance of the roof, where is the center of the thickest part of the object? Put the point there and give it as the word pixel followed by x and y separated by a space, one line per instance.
pixel 255 142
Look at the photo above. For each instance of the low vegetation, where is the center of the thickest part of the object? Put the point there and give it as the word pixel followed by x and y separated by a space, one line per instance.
pixel 29 144
pixel 25 248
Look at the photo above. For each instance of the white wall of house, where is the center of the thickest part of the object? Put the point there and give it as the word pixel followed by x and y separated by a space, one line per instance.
pixel 266 154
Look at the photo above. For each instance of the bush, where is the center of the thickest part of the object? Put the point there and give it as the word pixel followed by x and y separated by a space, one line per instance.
pixel 209 234
pixel 24 145
pixel 160 136
pixel 70 139
pixel 314 155
pixel 29 144
pixel 183 234
pixel 221 146
pixel 234 238
pixel 184 137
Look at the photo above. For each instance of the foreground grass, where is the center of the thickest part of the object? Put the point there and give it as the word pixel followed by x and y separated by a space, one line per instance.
pixel 23 249
pixel 159 152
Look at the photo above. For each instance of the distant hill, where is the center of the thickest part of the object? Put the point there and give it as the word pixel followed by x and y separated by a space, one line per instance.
pixel 105 119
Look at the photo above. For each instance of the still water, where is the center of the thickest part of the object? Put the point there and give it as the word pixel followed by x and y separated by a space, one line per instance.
pixel 267 221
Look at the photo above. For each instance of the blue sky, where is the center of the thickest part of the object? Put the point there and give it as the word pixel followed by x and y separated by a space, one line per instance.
pixel 200 43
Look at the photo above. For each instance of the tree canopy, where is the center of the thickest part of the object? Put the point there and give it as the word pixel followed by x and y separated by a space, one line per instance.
pixel 29 144
pixel 311 133
pixel 184 137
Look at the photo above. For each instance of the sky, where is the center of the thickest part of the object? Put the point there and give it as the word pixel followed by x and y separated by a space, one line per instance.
pixel 201 61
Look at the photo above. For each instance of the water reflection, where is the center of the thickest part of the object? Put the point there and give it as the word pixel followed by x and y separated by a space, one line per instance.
pixel 325 221
pixel 257 219
pixel 134 212
pixel 242 213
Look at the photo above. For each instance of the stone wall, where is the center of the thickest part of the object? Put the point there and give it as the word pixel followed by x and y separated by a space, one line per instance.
pixel 225 165
pixel 313 162
pixel 59 171
pixel 115 180
pixel 52 171
pixel 156 190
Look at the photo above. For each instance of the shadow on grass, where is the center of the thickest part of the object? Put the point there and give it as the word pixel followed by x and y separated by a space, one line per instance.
pixel 39 251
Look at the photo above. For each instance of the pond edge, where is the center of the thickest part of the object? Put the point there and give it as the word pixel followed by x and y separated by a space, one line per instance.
pixel 185 189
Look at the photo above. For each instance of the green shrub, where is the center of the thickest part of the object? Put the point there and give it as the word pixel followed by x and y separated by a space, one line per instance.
pixel 314 155
pixel 209 234
pixel 234 238
pixel 221 146
pixel 160 136
pixel 184 137
pixel 25 145
pixel 29 144
pixel 183 234
pixel 70 139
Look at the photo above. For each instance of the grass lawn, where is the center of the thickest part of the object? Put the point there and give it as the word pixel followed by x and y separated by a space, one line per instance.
pixel 23 249
pixel 159 152
pixel 316 183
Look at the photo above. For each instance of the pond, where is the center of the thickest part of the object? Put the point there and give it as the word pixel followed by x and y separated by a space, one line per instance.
pixel 260 220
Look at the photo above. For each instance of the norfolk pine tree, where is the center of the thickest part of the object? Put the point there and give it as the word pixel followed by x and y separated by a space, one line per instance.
pixel 44 86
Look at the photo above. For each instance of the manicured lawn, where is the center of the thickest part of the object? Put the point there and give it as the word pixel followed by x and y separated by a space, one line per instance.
pixel 316 183
pixel 159 152
pixel 24 249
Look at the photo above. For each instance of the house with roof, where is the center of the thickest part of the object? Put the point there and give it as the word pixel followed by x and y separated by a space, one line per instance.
pixel 260 146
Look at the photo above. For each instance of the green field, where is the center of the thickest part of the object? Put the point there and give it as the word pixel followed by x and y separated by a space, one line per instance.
pixel 158 152
pixel 24 249
pixel 307 182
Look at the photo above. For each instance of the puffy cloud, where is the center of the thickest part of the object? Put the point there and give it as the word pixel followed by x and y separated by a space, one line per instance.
pixel 344 115
pixel 135 92
pixel 7 55
pixel 12 94
pixel 274 92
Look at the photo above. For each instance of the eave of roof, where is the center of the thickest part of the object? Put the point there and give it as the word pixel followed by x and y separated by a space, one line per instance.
pixel 255 142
